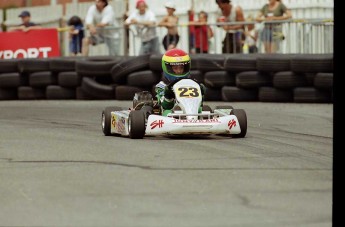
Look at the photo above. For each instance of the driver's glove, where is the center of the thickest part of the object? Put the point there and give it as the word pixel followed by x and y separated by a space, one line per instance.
pixel 168 93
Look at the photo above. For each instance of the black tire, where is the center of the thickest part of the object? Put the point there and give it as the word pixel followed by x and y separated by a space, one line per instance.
pixel 136 124
pixel 306 63
pixel 218 79
pixel 81 95
pixel 288 79
pixel 32 65
pixel 31 93
pixel 323 81
pixel 211 62
pixel 311 95
pixel 197 75
pixel 120 70
pixel 156 62
pixel 8 93
pixel 213 94
pixel 194 61
pixel 106 118
pixel 42 79
pixel 63 64
pixel 252 79
pixel 230 94
pixel 97 90
pixel 273 62
pixel 60 93
pixel 240 62
pixel 143 78
pixel 69 79
pixel 10 80
pixel 96 68
pixel 9 66
pixel 242 119
pixel 271 94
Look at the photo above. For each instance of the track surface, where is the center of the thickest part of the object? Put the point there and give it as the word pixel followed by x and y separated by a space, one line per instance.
pixel 57 169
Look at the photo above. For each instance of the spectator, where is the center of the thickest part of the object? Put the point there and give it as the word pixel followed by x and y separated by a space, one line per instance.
pixel 26 23
pixel 145 21
pixel 76 35
pixel 275 10
pixel 191 30
pixel 98 17
pixel 202 33
pixel 251 34
pixel 232 42
pixel 170 21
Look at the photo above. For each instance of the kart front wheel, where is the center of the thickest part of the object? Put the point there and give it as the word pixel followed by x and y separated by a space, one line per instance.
pixel 136 124
pixel 106 118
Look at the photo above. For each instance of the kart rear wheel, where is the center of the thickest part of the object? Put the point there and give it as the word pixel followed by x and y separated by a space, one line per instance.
pixel 207 108
pixel 224 107
pixel 242 119
pixel 136 124
pixel 106 118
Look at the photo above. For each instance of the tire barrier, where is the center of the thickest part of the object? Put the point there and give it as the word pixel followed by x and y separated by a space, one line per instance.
pixel 303 78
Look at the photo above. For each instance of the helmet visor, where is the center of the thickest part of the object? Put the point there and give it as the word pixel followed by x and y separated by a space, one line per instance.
pixel 177 68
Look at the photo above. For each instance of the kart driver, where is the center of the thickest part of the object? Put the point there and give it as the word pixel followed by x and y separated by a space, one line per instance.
pixel 176 65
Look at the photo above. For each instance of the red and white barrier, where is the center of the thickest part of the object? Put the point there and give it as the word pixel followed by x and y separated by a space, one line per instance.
pixel 40 43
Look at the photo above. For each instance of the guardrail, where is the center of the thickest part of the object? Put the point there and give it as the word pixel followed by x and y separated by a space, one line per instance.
pixel 294 36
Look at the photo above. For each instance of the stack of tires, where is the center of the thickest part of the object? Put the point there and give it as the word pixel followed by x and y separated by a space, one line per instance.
pixel 274 78
pixel 227 77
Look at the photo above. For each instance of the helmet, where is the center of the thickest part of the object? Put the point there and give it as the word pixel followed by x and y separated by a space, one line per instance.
pixel 176 64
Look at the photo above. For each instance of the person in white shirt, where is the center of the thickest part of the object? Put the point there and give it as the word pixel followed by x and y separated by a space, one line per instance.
pixel 98 19
pixel 145 21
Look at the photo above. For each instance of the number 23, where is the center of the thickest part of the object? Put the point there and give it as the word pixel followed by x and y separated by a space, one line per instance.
pixel 188 92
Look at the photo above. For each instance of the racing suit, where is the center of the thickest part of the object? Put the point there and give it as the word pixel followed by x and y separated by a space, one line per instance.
pixel 166 97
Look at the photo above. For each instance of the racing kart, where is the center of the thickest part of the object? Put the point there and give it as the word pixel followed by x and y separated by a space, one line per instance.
pixel 145 117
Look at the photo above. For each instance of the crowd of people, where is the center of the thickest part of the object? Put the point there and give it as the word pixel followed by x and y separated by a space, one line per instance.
pixel 239 37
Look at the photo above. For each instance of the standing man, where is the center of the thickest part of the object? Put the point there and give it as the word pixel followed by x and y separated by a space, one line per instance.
pixel 170 21
pixel 232 42
pixel 145 21
pixel 26 23
pixel 98 17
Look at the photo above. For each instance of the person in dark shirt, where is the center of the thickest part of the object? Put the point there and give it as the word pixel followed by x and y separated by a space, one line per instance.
pixel 76 35
pixel 26 23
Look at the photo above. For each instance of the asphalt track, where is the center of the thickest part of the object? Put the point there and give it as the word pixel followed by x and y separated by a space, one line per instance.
pixel 57 169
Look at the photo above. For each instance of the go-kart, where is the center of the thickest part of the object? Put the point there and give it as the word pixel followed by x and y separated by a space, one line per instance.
pixel 145 117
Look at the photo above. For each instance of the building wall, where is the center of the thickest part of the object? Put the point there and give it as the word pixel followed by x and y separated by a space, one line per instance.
pixel 11 3
pixel 23 3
